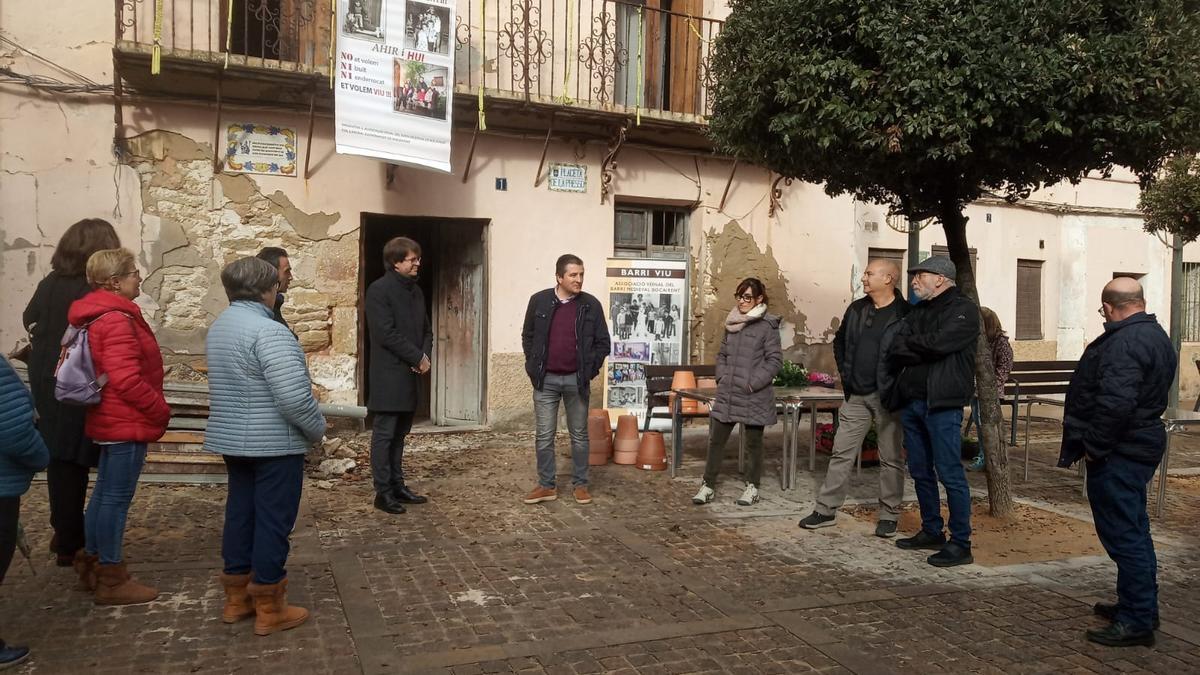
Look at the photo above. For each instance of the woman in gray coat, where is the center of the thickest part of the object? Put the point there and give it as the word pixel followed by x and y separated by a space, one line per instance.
pixel 750 357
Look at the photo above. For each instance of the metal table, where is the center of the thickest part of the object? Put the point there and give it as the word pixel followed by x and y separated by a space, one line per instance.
pixel 790 400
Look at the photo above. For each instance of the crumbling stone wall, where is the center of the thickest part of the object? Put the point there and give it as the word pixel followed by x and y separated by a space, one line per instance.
pixel 194 222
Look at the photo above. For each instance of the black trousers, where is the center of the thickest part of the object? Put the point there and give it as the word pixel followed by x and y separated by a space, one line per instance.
pixel 67 483
pixel 10 509
pixel 387 449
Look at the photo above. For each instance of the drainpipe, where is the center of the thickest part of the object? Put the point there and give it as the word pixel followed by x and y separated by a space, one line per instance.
pixel 1176 313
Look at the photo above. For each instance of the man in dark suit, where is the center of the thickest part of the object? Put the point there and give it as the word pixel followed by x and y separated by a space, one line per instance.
pixel 401 340
pixel 1113 421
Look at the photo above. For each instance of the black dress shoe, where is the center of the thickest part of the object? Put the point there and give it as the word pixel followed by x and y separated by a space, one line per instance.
pixel 1118 634
pixel 923 539
pixel 952 554
pixel 405 496
pixel 1108 611
pixel 387 503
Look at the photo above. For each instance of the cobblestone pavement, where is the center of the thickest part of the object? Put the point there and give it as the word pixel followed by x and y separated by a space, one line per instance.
pixel 640 581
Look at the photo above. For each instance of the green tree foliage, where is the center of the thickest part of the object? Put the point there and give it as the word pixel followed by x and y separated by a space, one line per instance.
pixel 1171 203
pixel 917 102
pixel 926 105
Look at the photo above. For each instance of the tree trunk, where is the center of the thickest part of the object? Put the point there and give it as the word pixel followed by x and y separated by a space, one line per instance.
pixel 1000 502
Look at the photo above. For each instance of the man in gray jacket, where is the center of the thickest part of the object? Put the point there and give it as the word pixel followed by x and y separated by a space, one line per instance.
pixel 860 345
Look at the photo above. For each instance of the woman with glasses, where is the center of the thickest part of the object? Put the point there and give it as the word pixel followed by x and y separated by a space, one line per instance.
pixel 132 412
pixel 749 358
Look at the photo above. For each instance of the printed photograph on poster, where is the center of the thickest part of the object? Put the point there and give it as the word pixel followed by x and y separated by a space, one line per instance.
pixel 428 28
pixel 364 19
pixel 666 353
pixel 626 373
pixel 626 397
pixel 420 89
pixel 631 351
pixel 645 316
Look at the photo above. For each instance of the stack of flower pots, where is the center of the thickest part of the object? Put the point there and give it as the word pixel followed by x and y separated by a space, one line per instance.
pixel 625 445
pixel 652 452
pixel 685 379
pixel 600 445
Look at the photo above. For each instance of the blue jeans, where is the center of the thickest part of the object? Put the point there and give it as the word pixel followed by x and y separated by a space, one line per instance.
pixel 116 481
pixel 934 444
pixel 563 388
pixel 1117 492
pixel 260 512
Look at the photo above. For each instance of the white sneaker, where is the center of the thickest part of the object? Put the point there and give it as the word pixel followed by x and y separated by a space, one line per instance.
pixel 705 495
pixel 749 496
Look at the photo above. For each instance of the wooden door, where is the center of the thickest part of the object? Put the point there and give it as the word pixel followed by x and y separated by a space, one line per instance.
pixel 459 327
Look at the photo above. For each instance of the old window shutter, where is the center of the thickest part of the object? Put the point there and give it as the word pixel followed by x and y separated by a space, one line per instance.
pixel 938 249
pixel 1029 300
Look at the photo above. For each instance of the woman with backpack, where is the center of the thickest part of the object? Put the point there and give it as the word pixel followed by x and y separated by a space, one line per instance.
pixel 132 412
pixel 45 318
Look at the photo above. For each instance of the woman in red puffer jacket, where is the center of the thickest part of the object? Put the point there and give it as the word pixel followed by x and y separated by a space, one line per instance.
pixel 132 413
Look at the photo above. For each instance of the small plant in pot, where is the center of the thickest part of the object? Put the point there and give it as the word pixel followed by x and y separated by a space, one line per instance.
pixel 792 374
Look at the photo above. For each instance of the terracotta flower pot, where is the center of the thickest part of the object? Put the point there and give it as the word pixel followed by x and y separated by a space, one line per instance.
pixel 625 451
pixel 685 379
pixel 598 430
pixel 627 428
pixel 600 413
pixel 652 452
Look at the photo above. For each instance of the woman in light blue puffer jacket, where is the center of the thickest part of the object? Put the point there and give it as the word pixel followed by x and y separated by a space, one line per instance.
pixel 263 418
pixel 22 453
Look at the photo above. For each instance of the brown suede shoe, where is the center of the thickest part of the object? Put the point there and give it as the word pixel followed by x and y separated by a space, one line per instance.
pixel 541 494
pixel 238 603
pixel 581 495
pixel 85 567
pixel 273 613
pixel 115 587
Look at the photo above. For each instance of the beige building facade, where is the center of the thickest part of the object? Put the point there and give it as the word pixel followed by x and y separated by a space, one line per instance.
pixel 492 229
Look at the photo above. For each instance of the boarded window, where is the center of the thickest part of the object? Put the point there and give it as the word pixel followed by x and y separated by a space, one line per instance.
pixel 895 255
pixel 1029 300
pixel 652 232
pixel 938 249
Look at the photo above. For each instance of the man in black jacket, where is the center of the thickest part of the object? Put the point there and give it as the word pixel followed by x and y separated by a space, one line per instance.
pixel 401 341
pixel 1113 421
pixel 565 339
pixel 862 340
pixel 934 352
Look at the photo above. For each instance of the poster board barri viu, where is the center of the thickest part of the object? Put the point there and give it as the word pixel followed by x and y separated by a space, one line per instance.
pixel 395 80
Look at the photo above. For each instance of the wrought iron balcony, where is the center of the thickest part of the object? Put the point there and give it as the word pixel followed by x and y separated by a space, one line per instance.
pixel 607 57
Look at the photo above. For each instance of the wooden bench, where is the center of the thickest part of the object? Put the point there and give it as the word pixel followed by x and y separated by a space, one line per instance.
pixel 1036 383
pixel 658 387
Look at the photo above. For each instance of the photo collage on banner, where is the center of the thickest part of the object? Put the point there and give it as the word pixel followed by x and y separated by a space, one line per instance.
pixel 395 80
pixel 647 305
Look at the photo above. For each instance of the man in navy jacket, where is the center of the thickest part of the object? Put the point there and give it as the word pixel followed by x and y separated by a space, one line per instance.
pixel 1113 421
pixel 565 339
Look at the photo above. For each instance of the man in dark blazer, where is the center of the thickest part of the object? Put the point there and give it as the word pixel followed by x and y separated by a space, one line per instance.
pixel 279 260
pixel 565 339
pixel 401 340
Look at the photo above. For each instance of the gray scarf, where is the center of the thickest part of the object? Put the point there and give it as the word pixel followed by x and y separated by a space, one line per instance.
pixel 736 321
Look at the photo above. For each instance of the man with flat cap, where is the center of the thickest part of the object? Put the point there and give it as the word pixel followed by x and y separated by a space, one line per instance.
pixel 933 355
pixel 1113 421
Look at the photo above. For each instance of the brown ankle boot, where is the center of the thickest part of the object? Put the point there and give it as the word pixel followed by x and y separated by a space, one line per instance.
pixel 115 587
pixel 238 603
pixel 85 567
pixel 272 612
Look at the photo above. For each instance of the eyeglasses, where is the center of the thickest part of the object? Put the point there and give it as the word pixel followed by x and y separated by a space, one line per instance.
pixel 745 297
pixel 1100 311
pixel 415 261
